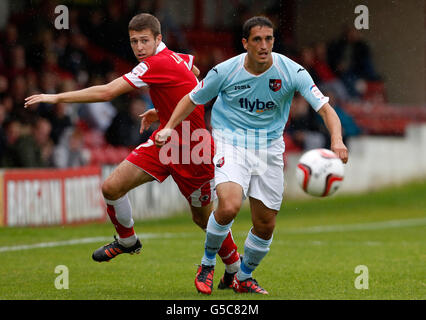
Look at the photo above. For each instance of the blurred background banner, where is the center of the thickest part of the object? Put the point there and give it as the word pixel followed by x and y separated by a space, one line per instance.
pixel 374 76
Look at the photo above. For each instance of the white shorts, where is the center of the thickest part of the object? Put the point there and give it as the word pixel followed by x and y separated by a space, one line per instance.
pixel 259 173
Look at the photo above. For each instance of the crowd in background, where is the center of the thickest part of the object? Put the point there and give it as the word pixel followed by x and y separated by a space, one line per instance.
pixel 37 58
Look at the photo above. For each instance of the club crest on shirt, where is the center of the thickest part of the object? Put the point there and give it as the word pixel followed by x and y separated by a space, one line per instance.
pixel 220 162
pixel 275 84
pixel 204 198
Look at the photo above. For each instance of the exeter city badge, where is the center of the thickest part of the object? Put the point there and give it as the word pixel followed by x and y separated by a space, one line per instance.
pixel 220 162
pixel 275 84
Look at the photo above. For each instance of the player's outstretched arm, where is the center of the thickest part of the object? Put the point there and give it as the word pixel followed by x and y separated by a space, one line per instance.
pixel 332 122
pixel 100 93
pixel 195 71
pixel 183 109
pixel 147 119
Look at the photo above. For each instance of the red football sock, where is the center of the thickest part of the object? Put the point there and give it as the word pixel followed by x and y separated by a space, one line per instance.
pixel 228 251
pixel 122 231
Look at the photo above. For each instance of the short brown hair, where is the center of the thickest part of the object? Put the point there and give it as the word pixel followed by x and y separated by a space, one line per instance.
pixel 254 22
pixel 144 21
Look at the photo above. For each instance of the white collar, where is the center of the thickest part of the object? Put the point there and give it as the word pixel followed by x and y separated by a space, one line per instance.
pixel 160 47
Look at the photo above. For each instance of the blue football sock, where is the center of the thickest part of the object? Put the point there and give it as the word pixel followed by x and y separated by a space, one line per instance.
pixel 255 249
pixel 215 235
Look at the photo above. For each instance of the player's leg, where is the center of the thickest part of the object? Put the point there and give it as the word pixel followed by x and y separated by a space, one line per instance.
pixel 124 178
pixel 218 228
pixel 228 251
pixel 256 246
pixel 115 188
pixel 265 195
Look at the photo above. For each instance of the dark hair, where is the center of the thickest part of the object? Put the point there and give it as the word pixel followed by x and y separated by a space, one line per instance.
pixel 144 21
pixel 254 22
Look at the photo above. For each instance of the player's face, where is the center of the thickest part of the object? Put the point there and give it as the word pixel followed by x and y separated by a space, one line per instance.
pixel 259 44
pixel 143 43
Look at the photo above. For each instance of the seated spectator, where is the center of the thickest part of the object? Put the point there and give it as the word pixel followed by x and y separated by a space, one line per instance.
pixel 12 132
pixel 307 60
pixel 328 80
pixel 59 121
pixel 3 139
pixel 29 146
pixel 70 151
pixel 350 58
pixel 4 86
pixel 304 127
pixel 124 129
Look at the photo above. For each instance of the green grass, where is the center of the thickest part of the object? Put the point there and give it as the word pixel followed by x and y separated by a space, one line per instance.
pixel 317 245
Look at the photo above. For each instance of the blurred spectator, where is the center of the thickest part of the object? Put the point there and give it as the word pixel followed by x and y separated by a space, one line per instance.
pixel 70 151
pixel 97 115
pixel 32 146
pixel 328 80
pixel 59 120
pixel 307 60
pixel 350 58
pixel 4 86
pixel 124 129
pixel 304 127
pixel 12 131
pixel 17 63
pixel 173 36
pixel 3 138
pixel 8 39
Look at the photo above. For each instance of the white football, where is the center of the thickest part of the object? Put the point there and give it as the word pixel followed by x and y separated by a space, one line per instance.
pixel 320 172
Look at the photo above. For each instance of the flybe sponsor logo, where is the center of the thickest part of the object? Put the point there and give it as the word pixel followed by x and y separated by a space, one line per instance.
pixel 257 105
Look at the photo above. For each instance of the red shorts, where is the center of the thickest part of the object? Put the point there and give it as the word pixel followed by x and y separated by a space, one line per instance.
pixel 195 181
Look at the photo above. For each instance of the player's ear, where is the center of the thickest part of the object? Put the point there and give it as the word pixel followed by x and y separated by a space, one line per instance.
pixel 158 39
pixel 244 41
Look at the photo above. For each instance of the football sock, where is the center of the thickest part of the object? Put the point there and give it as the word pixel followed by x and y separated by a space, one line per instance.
pixel 229 254
pixel 215 235
pixel 255 249
pixel 120 213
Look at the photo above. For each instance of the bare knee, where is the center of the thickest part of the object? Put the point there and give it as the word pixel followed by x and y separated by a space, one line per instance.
pixel 111 191
pixel 227 210
pixel 264 227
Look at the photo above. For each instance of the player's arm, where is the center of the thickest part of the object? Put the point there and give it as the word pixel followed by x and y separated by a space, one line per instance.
pixel 99 93
pixel 305 85
pixel 332 122
pixel 147 119
pixel 183 109
pixel 195 71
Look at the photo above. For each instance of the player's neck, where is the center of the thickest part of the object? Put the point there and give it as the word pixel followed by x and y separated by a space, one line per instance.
pixel 255 67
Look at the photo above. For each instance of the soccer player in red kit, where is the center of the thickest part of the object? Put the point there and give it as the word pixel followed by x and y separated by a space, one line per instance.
pixel 170 76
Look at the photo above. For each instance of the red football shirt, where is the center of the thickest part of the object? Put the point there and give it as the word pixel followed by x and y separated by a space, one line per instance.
pixel 169 78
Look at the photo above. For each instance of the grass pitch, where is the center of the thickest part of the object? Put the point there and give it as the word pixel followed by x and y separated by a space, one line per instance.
pixel 317 245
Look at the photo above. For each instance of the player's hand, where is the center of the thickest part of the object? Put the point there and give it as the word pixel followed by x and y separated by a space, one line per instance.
pixel 162 136
pixel 340 150
pixel 147 118
pixel 39 98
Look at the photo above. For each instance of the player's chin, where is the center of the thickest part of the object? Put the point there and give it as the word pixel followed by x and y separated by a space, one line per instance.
pixel 262 58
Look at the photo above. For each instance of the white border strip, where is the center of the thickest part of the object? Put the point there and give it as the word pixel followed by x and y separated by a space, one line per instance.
pixel 361 226
pixel 89 240
pixel 317 229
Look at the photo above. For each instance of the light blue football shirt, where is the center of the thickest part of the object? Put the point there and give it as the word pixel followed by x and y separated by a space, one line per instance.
pixel 250 109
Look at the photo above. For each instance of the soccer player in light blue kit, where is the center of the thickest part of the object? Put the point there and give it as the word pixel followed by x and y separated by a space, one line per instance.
pixel 254 92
